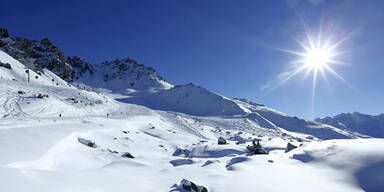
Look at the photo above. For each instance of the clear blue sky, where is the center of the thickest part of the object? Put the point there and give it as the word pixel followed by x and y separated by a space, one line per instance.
pixel 225 46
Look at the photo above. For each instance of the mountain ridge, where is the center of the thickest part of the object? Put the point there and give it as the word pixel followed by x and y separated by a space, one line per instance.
pixel 43 54
pixel 370 125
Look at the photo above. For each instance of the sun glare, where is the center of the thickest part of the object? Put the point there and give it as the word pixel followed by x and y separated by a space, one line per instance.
pixel 317 58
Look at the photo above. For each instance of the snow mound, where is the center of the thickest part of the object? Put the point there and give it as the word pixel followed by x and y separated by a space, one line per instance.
pixel 361 158
pixel 189 99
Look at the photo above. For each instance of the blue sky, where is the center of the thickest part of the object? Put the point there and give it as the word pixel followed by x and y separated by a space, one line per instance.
pixel 229 47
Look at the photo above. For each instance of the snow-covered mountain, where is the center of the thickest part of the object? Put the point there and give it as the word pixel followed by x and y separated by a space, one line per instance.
pixel 370 125
pixel 122 74
pixel 113 75
pixel 118 126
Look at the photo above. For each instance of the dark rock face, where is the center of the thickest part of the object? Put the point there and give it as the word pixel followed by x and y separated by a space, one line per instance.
pixel 38 55
pixel 290 147
pixel 4 33
pixel 5 65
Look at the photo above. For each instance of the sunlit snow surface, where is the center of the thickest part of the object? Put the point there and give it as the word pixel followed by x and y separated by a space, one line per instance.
pixel 85 148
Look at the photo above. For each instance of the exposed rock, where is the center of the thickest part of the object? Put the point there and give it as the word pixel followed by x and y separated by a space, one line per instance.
pixel 290 147
pixel 38 55
pixel 41 96
pixel 4 32
pixel 256 147
pixel 221 141
pixel 179 152
pixel 192 187
pixel 87 142
pixel 127 155
pixel 72 99
pixel 5 65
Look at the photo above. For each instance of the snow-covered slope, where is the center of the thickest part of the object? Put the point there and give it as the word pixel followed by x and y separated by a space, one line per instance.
pixel 189 99
pixel 294 124
pixel 357 122
pixel 195 100
pixel 52 155
pixel 46 95
pixel 18 72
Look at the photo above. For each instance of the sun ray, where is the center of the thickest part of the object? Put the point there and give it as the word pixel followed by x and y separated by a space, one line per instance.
pixel 293 74
pixel 337 75
pixel 314 89
pixel 324 75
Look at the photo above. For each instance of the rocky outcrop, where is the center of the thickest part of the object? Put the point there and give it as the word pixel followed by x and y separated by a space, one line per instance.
pixel 186 185
pixel 121 74
pixel 38 55
pixel 4 33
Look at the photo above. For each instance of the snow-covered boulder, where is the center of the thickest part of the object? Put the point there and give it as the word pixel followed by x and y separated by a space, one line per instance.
pixel 192 187
pixel 127 155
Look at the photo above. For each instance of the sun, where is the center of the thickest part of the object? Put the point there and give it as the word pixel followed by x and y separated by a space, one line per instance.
pixel 317 58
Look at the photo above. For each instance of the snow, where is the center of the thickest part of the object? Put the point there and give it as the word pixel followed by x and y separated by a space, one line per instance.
pixel 78 140
pixel 188 99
